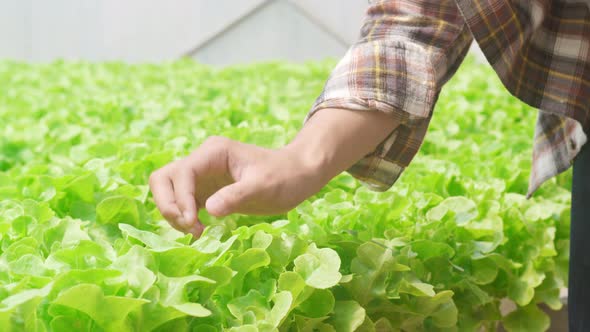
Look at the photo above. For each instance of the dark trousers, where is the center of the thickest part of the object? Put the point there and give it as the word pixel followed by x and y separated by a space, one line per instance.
pixel 579 268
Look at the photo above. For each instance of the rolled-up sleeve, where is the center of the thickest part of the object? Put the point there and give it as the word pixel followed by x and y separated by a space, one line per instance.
pixel 406 52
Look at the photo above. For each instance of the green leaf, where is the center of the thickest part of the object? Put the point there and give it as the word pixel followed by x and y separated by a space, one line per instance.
pixel 348 316
pixel 446 315
pixel 522 290
pixel 416 288
pixel 373 269
pixel 82 187
pixel 192 309
pixel 291 282
pixel 484 271
pixel 135 272
pixel 427 249
pixel 253 302
pixel 73 323
pixel 261 240
pixel 320 303
pixel 117 210
pixel 109 312
pixel 151 240
pixel 67 232
pixel 84 255
pixel 88 276
pixel 251 259
pixel 524 319
pixel 319 267
pixel 282 305
pixel 28 265
pixel 173 294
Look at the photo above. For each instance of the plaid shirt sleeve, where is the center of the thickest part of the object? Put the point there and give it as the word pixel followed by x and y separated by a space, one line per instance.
pixel 407 51
pixel 540 49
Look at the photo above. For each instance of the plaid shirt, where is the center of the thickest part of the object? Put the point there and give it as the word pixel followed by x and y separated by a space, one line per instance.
pixel 409 48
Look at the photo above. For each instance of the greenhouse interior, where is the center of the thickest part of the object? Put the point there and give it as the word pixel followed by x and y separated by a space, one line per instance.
pixel 295 165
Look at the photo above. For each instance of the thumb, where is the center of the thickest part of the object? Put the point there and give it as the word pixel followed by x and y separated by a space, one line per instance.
pixel 229 199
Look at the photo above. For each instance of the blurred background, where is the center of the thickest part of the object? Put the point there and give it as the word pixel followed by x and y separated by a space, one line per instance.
pixel 216 32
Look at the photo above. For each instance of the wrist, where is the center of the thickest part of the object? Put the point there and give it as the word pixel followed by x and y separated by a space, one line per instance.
pixel 313 160
pixel 332 140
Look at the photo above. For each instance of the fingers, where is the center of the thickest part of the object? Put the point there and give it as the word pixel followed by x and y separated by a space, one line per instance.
pixel 174 196
pixel 163 192
pixel 230 199
pixel 197 229
pixel 211 156
pixel 183 181
pixel 174 186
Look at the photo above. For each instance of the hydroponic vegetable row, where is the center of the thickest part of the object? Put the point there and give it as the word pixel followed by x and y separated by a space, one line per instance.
pixel 84 248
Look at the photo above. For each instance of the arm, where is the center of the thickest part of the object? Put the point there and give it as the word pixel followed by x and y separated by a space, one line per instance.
pixel 225 176
pixel 334 139
pixel 407 50
pixel 370 120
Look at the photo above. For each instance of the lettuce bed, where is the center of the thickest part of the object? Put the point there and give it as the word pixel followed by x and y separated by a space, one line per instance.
pixel 84 248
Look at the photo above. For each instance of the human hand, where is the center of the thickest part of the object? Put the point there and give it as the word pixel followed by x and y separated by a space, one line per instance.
pixel 225 176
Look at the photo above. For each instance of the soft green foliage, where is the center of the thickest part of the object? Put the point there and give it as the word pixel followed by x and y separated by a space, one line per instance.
pixel 82 246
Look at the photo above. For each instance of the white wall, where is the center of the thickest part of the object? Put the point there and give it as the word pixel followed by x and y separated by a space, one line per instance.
pixel 213 31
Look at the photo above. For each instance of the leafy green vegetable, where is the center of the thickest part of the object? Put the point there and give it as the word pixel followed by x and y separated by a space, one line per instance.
pixel 83 247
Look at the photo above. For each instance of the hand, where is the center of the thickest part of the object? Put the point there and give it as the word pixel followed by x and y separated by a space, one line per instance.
pixel 224 177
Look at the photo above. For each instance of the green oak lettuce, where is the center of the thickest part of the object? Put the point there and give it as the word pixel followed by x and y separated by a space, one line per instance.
pixel 83 247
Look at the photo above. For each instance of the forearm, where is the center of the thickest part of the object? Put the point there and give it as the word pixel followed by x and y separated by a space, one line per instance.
pixel 390 78
pixel 334 139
